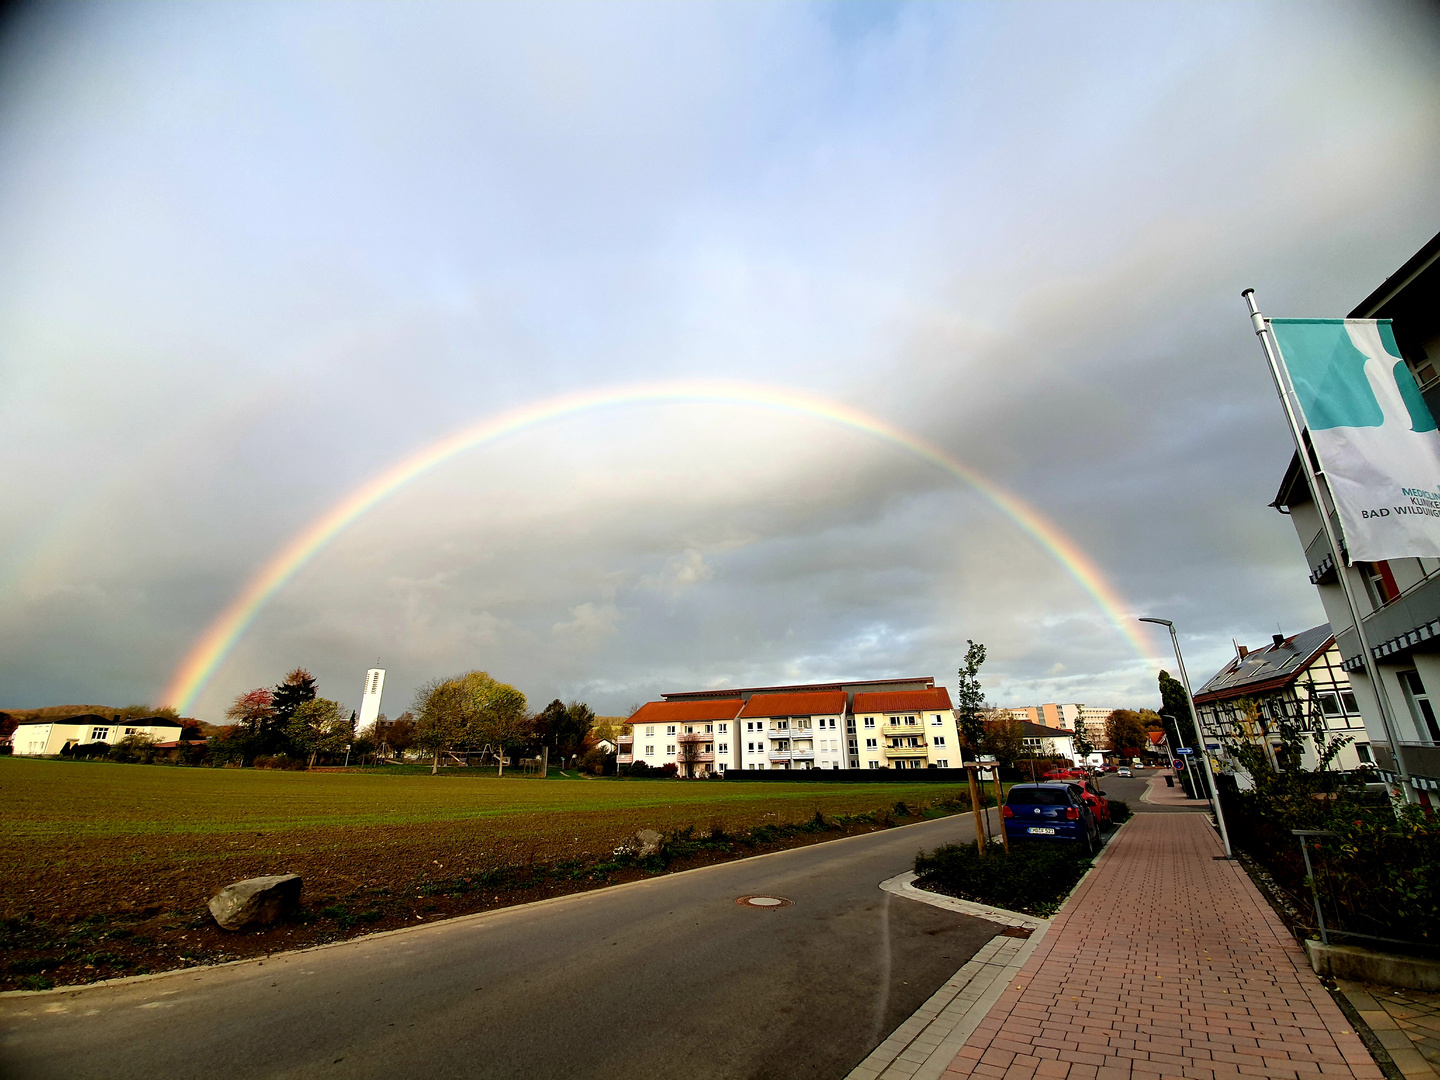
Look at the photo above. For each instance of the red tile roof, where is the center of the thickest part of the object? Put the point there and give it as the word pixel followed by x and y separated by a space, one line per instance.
pixel 937 700
pixel 824 703
pixel 680 712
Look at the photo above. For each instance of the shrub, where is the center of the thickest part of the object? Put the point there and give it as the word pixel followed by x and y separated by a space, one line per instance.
pixel 1033 878
pixel 1119 811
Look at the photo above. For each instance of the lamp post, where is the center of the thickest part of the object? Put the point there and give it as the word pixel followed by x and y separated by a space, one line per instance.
pixel 1200 733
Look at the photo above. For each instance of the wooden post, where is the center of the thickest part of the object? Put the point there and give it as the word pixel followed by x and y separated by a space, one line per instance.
pixel 975 807
pixel 544 762
pixel 999 808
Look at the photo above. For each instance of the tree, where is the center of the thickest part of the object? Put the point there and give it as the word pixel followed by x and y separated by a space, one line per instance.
pixel 970 699
pixel 320 726
pixel 495 714
pixel 1083 746
pixel 1004 738
pixel 689 758
pixel 608 727
pixel 297 688
pixel 1180 728
pixel 399 734
pixel 439 710
pixel 1125 732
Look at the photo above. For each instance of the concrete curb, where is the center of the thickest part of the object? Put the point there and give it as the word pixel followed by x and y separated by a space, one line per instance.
pixel 923 1047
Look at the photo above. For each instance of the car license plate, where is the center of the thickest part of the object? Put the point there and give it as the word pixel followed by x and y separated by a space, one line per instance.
pixel 1036 830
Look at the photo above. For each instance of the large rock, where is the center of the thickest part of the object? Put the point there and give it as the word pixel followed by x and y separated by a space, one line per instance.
pixel 257 901
pixel 648 842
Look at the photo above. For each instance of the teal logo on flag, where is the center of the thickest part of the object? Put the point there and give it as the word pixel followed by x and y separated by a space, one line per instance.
pixel 1328 373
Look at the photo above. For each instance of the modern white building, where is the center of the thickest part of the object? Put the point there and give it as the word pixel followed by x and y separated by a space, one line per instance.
pixel 41 738
pixel 694 736
pixel 370 699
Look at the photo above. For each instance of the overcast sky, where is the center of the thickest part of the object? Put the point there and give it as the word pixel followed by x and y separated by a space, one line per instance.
pixel 252 254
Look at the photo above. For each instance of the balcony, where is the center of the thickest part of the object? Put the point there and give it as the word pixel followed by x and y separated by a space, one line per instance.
pixel 625 740
pixel 903 729
pixel 779 755
pixel 624 759
pixel 1422 759
pixel 905 751
pixel 802 755
pixel 696 737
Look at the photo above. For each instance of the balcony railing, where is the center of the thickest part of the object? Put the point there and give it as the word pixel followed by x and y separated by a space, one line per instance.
pixel 696 736
pixel 1422 759
pixel 624 759
pixel 802 755
pixel 905 751
pixel 624 740
pixel 779 755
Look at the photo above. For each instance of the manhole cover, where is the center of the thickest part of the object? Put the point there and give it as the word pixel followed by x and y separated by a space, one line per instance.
pixel 768 902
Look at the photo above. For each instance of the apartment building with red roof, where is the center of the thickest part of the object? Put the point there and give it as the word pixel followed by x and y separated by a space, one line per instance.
pixel 904 729
pixel 803 726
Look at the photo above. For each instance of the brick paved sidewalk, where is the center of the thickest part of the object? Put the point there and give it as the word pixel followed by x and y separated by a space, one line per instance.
pixel 1165 962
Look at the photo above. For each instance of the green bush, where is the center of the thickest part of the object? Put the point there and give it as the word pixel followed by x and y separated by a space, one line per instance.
pixel 1032 878
pixel 1119 812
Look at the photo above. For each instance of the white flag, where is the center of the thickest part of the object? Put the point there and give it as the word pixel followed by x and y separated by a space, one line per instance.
pixel 1372 432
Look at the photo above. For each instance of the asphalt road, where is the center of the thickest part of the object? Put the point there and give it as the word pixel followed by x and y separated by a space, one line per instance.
pixel 664 978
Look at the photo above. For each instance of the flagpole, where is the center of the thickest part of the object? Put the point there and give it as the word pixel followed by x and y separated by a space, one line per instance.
pixel 1292 416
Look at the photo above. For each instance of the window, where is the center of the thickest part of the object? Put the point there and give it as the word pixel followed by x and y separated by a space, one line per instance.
pixel 650 729
pixel 871 744
pixel 1420 707
pixel 1329 704
pixel 1379 582
pixel 1362 750
pixel 724 728
pixel 942 763
pixel 689 729
pixel 853 745
pixel 99 734
pixel 910 720
pixel 869 721
pixel 937 721
pixel 709 748
pixel 1348 700
pixel 132 731
pixel 669 729
pixel 670 749
pixel 874 764
pixel 709 728
pixel 649 751
pixel 939 740
pixel 782 725
pixel 724 748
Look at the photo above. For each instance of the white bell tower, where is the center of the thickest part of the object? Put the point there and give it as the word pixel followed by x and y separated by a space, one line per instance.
pixel 370 700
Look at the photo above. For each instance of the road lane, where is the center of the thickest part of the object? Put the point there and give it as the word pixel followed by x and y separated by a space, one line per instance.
pixel 662 978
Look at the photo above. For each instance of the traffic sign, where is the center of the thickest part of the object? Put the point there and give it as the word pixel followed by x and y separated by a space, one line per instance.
pixel 1184 750
pixel 1179 764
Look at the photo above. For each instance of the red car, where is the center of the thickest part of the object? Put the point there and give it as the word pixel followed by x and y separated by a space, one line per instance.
pixel 1064 774
pixel 1094 798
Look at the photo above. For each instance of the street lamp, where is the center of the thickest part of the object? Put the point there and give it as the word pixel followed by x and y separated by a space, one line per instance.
pixel 1200 733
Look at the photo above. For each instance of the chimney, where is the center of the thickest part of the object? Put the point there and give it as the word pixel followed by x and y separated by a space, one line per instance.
pixel 1279 639
pixel 1244 652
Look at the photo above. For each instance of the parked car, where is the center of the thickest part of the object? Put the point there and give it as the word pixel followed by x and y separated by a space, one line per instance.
pixel 1050 812
pixel 1124 770
pixel 1095 799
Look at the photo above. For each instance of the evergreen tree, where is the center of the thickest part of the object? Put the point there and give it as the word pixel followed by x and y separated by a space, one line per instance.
pixel 298 688
pixel 1180 730
pixel 970 700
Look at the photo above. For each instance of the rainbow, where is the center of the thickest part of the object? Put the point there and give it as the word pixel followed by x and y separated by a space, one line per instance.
pixel 221 636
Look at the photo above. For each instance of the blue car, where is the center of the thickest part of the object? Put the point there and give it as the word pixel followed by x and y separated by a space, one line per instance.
pixel 1050 812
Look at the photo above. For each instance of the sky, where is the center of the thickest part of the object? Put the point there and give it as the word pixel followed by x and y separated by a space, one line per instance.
pixel 254 255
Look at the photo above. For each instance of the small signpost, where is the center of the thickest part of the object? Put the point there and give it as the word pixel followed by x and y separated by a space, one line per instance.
pixel 1179 765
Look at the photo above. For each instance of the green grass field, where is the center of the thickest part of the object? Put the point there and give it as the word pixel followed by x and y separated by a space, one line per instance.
pixel 127 855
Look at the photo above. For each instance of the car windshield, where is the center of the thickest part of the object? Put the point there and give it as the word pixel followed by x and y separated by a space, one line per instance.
pixel 1039 796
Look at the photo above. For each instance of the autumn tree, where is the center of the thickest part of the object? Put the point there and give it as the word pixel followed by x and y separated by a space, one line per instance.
pixel 439 710
pixel 320 726
pixel 470 711
pixel 1004 738
pixel 1125 732
pixel 970 699
pixel 399 734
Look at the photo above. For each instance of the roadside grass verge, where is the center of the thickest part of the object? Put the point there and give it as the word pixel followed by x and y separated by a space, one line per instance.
pixel 1032 878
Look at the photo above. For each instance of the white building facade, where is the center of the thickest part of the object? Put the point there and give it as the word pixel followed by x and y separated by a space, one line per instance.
pixel 904 729
pixel 370 699
pixel 44 738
